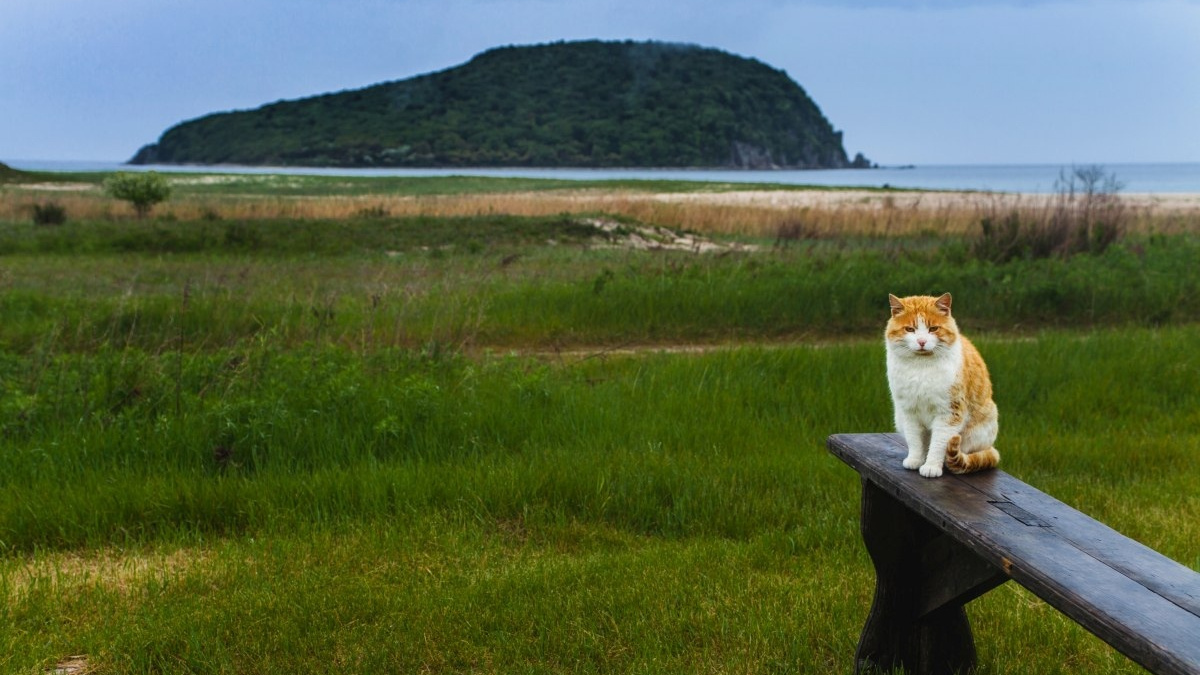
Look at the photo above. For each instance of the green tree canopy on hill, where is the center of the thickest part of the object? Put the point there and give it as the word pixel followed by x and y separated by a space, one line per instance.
pixel 8 173
pixel 587 104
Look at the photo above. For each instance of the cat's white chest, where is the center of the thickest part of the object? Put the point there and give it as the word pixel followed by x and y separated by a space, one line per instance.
pixel 921 385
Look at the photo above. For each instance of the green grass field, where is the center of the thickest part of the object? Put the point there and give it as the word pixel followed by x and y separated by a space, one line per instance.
pixel 447 445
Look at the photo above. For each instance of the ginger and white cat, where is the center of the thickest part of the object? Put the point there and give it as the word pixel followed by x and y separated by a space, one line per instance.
pixel 940 389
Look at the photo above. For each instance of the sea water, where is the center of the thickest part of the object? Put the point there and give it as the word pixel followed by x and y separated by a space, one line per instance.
pixel 1021 178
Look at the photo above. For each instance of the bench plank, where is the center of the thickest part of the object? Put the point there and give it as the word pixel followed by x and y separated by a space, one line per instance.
pixel 1142 603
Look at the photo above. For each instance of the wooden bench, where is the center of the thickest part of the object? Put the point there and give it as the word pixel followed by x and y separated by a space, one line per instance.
pixel 937 544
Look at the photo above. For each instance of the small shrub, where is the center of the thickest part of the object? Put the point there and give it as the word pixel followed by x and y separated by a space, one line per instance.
pixel 1086 215
pixel 49 213
pixel 142 190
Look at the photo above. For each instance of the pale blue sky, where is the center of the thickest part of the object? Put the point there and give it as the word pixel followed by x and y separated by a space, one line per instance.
pixel 911 81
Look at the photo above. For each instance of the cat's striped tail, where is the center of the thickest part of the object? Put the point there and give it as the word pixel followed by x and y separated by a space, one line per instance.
pixel 962 462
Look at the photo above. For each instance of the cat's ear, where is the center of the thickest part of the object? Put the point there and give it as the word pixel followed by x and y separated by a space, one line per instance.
pixel 943 304
pixel 897 306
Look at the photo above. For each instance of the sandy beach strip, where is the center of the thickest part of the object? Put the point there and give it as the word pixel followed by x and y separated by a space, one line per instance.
pixel 915 200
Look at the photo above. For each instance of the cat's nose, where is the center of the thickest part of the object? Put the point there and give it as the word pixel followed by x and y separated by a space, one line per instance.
pixel 920 342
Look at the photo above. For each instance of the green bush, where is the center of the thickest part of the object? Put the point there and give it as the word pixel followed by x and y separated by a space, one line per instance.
pixel 142 190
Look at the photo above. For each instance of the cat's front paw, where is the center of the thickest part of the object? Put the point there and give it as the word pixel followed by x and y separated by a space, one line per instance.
pixel 931 470
pixel 912 463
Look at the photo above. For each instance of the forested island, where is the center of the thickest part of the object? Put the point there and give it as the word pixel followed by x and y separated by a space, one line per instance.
pixel 566 104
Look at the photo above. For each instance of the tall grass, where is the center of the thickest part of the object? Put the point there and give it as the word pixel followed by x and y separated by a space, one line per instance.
pixel 405 445
pixel 427 510
pixel 487 283
pixel 191 441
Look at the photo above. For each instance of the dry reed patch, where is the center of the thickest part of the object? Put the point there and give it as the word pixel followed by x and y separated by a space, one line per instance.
pixel 753 213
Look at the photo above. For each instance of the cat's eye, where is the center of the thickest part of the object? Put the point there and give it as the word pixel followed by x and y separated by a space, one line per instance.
pixel 934 329
pixel 910 329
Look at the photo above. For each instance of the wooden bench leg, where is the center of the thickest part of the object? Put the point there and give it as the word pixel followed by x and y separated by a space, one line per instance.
pixel 906 630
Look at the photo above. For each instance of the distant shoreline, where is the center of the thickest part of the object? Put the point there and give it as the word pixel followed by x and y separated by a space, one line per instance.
pixel 1138 179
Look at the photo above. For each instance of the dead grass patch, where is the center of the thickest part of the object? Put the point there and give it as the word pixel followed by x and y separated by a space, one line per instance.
pixel 750 213
pixel 117 571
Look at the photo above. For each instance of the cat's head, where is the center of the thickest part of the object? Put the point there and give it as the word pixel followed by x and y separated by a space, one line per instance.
pixel 921 325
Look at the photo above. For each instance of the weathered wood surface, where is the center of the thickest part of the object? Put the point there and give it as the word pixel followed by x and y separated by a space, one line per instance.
pixel 1142 603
